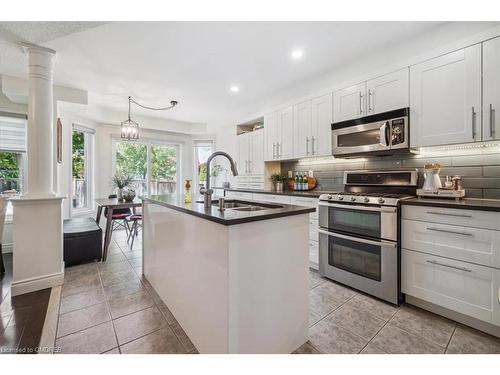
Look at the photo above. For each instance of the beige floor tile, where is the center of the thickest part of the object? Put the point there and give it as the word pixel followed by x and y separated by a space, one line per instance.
pixel 382 310
pixel 118 277
pixel 331 339
pixel 81 300
pixel 183 337
pixel 132 254
pixel 327 297
pixel 95 340
pixel 123 289
pixel 105 267
pixel 315 279
pixel 356 321
pixel 166 313
pixel 135 262
pixel 116 257
pixel 307 348
pixel 424 324
pixel 135 325
pixel 80 284
pixel 130 303
pixel 394 340
pixel 162 341
pixel 314 318
pixel 466 340
pixel 372 349
pixel 75 272
pixel 82 319
pixel 113 351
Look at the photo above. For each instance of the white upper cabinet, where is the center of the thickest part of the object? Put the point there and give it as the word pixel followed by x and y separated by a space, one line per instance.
pixel 388 92
pixel 445 99
pixel 270 136
pixel 285 133
pixel 251 153
pixel 349 103
pixel 302 127
pixel 321 125
pixel 491 89
pixel 257 152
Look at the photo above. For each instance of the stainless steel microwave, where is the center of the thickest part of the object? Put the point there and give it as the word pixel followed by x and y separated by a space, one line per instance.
pixel 384 133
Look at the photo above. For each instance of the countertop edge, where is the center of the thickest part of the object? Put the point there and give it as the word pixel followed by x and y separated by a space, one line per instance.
pixel 229 222
pixel 464 204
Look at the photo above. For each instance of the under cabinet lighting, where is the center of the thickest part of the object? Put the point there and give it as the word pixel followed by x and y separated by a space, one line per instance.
pixel 491 147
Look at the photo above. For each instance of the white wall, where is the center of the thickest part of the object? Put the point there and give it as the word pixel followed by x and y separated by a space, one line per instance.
pixel 225 140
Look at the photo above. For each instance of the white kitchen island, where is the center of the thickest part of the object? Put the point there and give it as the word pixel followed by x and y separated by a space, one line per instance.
pixel 236 281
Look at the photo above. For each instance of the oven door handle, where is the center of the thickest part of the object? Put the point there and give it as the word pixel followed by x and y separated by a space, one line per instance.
pixel 384 133
pixel 358 207
pixel 357 239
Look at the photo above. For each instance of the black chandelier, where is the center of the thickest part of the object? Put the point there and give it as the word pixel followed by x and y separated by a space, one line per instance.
pixel 130 128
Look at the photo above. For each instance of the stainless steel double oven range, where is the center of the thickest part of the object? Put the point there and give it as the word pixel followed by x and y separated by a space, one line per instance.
pixel 359 234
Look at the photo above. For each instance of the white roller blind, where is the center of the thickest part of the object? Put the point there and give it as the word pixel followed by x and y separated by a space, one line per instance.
pixel 12 134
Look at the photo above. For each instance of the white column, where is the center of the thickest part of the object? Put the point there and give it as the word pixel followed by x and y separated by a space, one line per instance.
pixel 37 222
pixel 40 122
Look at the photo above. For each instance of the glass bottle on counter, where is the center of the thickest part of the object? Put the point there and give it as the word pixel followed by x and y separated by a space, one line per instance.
pixel 187 192
pixel 297 183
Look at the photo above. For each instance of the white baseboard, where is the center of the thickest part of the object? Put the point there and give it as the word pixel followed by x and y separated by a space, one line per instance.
pixel 37 283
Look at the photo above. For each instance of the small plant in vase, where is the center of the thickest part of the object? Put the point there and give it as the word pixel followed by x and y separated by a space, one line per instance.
pixel 278 179
pixel 120 182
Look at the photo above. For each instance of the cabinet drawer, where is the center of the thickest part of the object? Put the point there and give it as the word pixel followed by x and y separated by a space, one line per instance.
pixel 453 216
pixel 238 195
pixel 313 229
pixel 271 198
pixel 463 287
pixel 308 202
pixel 313 252
pixel 481 246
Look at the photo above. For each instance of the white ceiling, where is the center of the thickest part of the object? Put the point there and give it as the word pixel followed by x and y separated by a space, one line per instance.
pixel 196 62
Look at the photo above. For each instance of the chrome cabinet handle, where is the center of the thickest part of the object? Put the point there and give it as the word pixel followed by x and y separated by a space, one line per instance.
pixel 448 265
pixel 307 145
pixel 357 239
pixel 360 103
pixel 358 207
pixel 274 150
pixel 370 100
pixel 449 231
pixel 312 144
pixel 473 124
pixel 492 121
pixel 278 150
pixel 447 214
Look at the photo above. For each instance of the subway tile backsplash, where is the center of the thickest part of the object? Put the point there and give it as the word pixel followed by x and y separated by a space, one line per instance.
pixel 480 172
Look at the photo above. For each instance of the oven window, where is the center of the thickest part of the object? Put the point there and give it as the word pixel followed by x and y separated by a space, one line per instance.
pixel 366 223
pixel 355 257
pixel 363 138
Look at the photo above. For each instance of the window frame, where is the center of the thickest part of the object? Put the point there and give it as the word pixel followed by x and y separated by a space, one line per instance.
pixel 89 152
pixel 149 143
pixel 199 143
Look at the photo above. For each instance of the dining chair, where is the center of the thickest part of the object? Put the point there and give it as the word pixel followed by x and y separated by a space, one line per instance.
pixel 119 218
pixel 135 219
pixel 3 210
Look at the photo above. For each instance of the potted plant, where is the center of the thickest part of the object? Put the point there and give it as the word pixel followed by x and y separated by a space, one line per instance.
pixel 278 179
pixel 120 182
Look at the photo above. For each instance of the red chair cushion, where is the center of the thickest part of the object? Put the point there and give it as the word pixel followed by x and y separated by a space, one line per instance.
pixel 120 216
pixel 135 217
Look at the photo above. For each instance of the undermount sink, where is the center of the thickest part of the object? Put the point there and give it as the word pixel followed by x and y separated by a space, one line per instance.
pixel 238 205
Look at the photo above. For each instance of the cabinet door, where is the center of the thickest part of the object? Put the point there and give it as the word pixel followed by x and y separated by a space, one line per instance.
pixel 388 92
pixel 321 118
pixel 467 288
pixel 491 89
pixel 302 134
pixel 349 103
pixel 270 136
pixel 285 133
pixel 445 99
pixel 256 164
pixel 243 153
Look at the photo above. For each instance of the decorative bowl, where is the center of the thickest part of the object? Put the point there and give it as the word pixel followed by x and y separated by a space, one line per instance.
pixel 128 195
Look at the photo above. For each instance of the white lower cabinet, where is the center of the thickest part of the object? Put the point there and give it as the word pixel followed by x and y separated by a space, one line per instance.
pixel 463 287
pixel 270 198
pixel 313 228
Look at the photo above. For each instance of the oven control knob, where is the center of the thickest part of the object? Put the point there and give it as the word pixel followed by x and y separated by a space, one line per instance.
pixel 353 199
pixel 381 200
pixel 340 198
pixel 366 199
pixel 329 197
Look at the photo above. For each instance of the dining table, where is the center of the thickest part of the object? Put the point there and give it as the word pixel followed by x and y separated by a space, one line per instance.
pixel 112 204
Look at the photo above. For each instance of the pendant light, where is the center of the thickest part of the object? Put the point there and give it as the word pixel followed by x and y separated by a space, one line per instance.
pixel 130 128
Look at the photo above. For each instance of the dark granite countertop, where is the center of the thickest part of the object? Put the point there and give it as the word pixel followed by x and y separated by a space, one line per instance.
pixel 466 203
pixel 228 216
pixel 292 193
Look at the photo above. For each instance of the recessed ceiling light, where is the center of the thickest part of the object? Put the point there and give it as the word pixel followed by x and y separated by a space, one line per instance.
pixel 297 54
pixel 234 88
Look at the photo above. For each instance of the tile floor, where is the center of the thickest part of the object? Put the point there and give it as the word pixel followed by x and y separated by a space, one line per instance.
pixel 21 317
pixel 111 308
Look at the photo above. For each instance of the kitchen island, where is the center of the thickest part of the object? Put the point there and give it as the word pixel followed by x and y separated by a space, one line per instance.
pixel 236 280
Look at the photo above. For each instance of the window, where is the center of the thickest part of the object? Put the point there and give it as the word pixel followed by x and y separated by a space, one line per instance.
pixel 81 166
pixel 12 154
pixel 202 150
pixel 152 166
